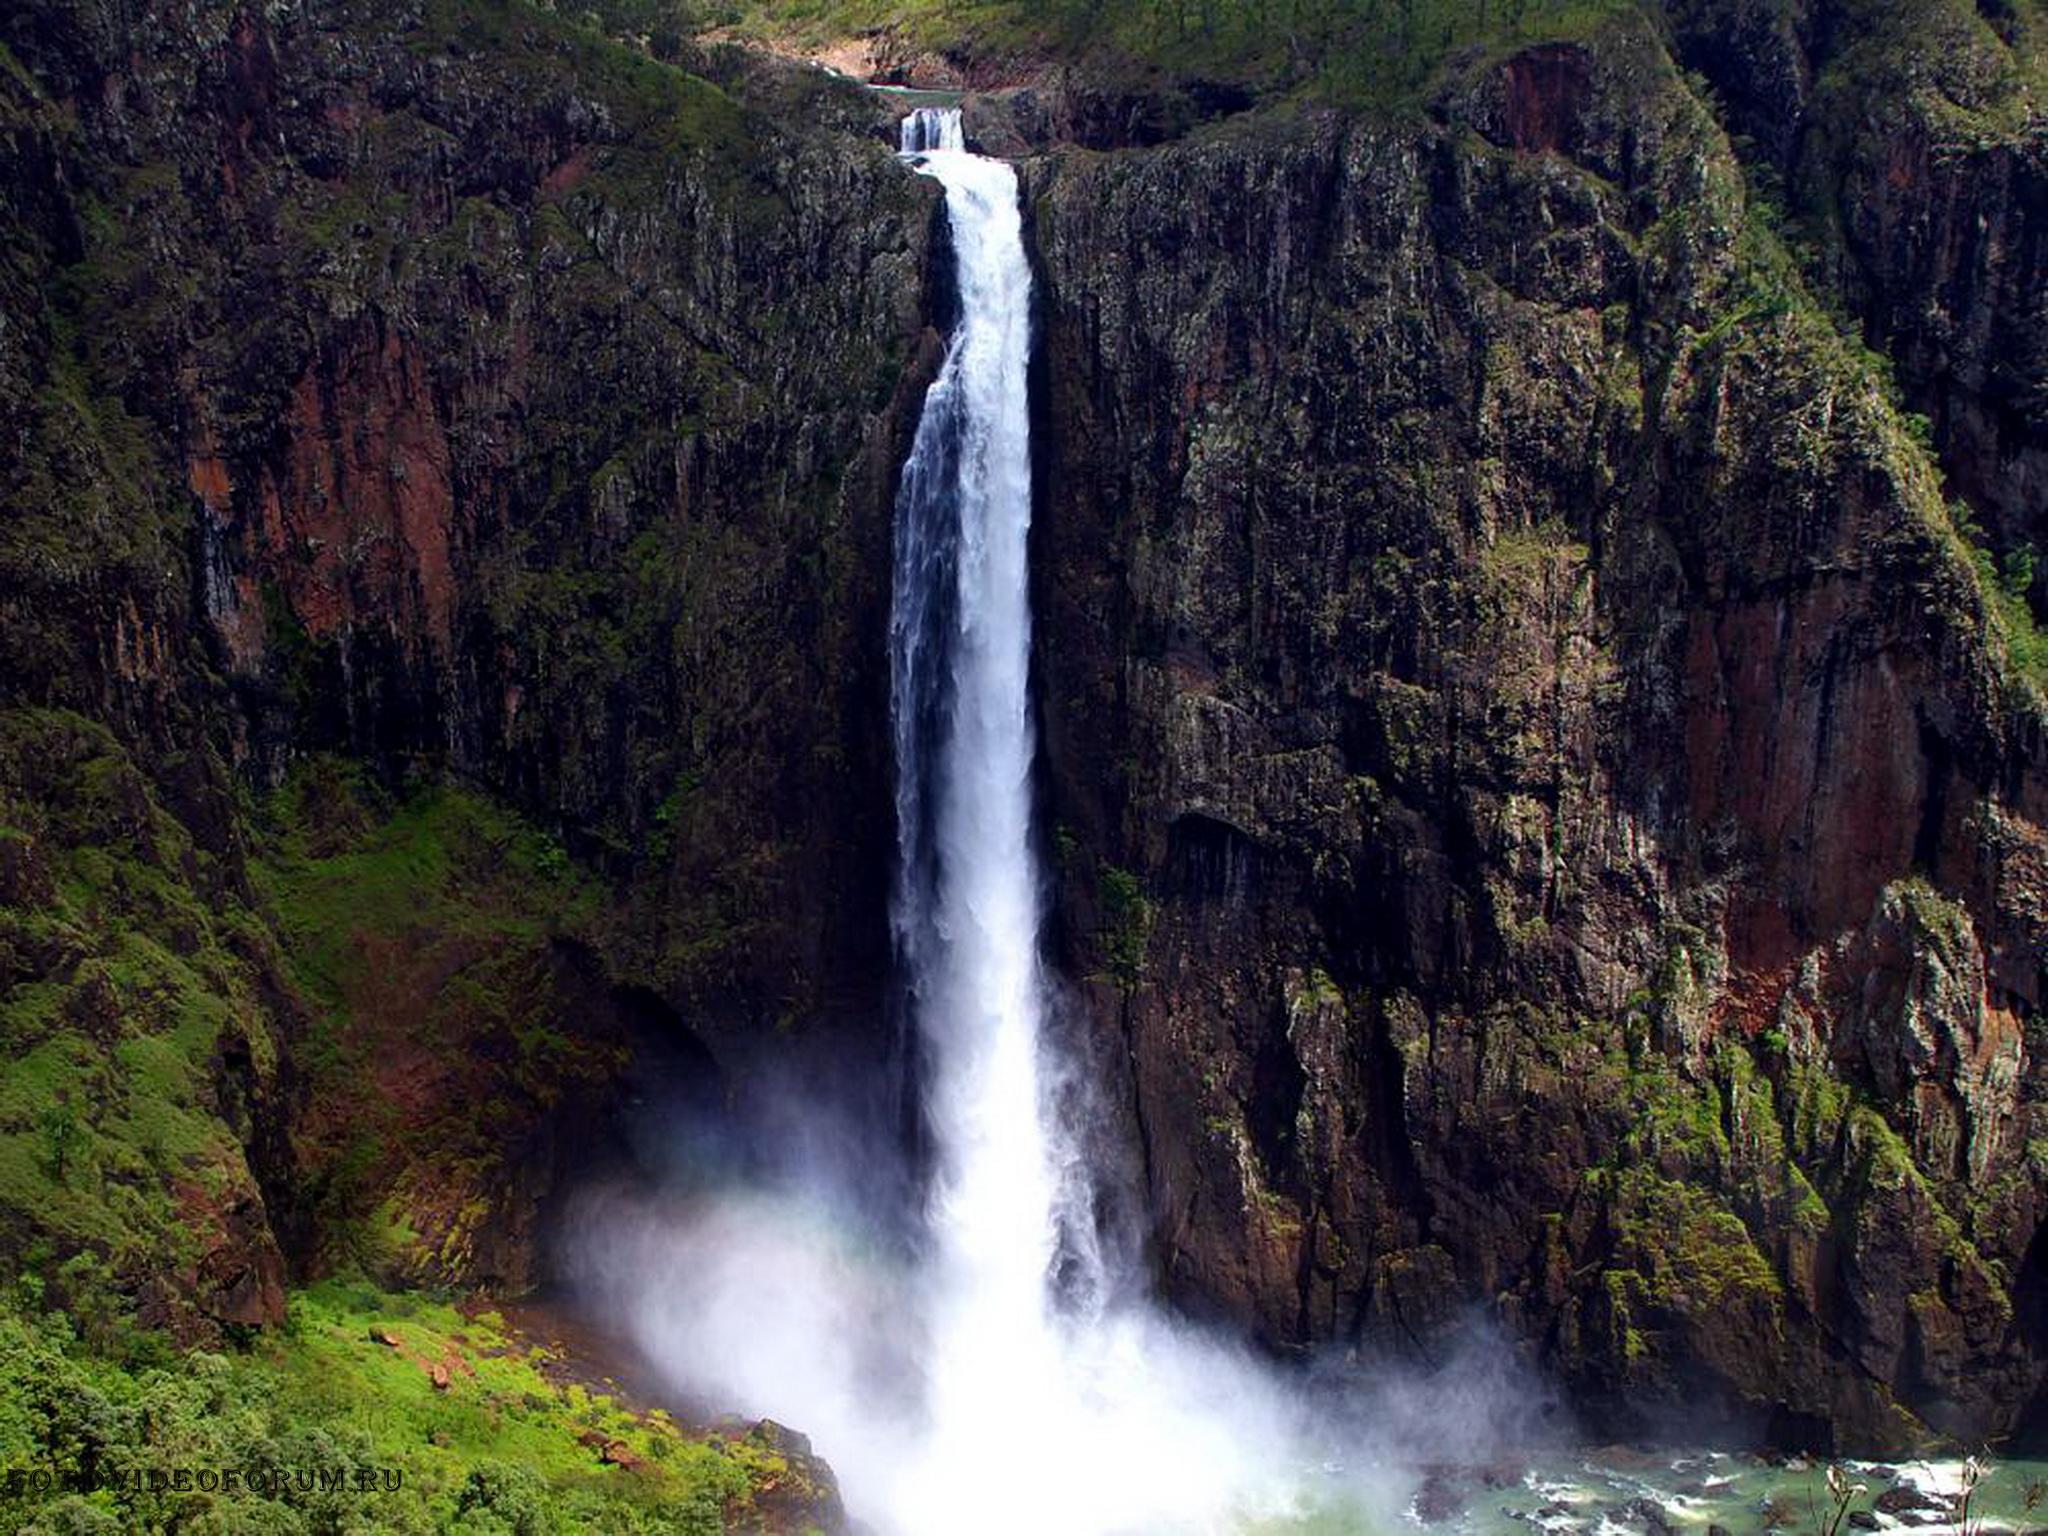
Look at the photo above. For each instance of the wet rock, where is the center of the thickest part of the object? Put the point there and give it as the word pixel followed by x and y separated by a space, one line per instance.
pixel 1438 1499
pixel 807 1493
pixel 1341 1118
pixel 1904 1498
pixel 1778 1513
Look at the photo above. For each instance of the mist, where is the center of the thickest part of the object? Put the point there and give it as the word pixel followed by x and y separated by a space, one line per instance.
pixel 776 1298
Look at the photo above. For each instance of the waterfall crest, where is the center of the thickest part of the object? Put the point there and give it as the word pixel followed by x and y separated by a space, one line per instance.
pixel 930 128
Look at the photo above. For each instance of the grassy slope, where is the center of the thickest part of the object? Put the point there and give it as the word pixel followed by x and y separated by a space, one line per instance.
pixel 1354 51
pixel 129 953
pixel 349 1383
pixel 420 933
pixel 124 971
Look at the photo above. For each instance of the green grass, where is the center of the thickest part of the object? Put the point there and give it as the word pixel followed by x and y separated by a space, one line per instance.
pixel 341 859
pixel 1126 925
pixel 125 975
pixel 370 938
pixel 1375 51
pixel 348 1384
pixel 2004 585
pixel 130 960
pixel 421 930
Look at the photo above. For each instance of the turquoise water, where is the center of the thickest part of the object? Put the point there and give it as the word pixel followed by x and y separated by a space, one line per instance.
pixel 1617 1492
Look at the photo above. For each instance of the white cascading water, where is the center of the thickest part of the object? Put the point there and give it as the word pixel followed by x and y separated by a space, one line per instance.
pixel 1106 1406
pixel 962 1392
pixel 967 903
pixel 967 899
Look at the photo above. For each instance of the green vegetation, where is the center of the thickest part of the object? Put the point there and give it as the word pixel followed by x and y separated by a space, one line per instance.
pixel 1341 50
pixel 663 109
pixel 424 933
pixel 456 1411
pixel 152 987
pixel 1126 925
pixel 404 940
pixel 2005 585
pixel 133 1001
pixel 1683 1249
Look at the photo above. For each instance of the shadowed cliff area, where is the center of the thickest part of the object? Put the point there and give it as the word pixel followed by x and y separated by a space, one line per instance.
pixel 1540 668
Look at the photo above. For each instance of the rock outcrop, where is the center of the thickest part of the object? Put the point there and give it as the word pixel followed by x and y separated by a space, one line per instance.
pixel 1909 150
pixel 1539 791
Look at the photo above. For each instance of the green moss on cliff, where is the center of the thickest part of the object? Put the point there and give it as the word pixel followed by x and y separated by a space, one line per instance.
pixel 429 933
pixel 131 986
pixel 1126 924
pixel 1683 1281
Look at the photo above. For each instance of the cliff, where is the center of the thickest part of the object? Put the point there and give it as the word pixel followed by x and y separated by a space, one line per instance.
pixel 1551 812
pixel 1544 749
pixel 463 393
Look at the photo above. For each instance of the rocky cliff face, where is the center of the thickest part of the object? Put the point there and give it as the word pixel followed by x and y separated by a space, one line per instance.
pixel 1539 791
pixel 459 392
pixel 1905 143
pixel 501 403
pixel 1548 809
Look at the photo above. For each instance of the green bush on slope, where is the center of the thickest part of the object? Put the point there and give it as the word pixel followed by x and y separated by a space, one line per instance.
pixel 349 1387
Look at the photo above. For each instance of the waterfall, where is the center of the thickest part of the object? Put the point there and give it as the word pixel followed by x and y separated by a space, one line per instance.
pixel 930 128
pixel 967 900
pixel 1084 1421
pixel 954 1388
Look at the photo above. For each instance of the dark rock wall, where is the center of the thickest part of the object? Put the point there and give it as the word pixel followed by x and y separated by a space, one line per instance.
pixel 496 401
pixel 1904 143
pixel 445 387
pixel 1542 813
pixel 1535 794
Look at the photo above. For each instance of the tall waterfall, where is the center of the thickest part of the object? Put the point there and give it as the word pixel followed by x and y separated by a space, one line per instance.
pixel 967 901
pixel 960 1390
pixel 1042 1413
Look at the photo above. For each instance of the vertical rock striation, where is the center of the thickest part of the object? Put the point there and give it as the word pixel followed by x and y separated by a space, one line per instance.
pixel 1539 791
pixel 448 388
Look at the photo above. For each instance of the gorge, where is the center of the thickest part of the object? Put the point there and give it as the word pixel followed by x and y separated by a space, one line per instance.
pixel 1520 748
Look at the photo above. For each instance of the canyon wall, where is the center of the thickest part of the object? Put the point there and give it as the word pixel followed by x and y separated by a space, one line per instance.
pixel 1546 794
pixel 397 398
pixel 1547 812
